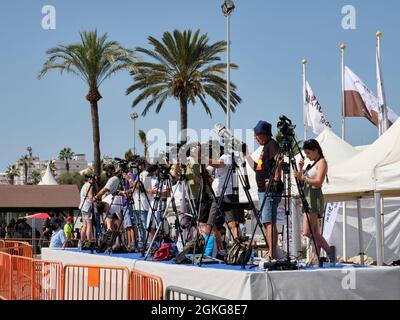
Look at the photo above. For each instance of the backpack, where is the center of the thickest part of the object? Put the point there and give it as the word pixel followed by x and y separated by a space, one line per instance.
pixel 164 253
pixel 238 254
pixel 111 242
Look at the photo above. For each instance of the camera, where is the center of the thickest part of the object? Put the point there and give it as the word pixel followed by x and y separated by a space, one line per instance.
pixel 90 176
pixel 285 126
pixel 124 166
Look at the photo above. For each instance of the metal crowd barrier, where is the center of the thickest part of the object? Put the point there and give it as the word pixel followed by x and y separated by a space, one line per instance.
pixel 95 283
pixel 177 293
pixel 47 280
pixel 17 248
pixel 144 286
pixel 5 276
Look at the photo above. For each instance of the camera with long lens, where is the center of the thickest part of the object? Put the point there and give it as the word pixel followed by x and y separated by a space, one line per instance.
pixel 90 176
pixel 285 126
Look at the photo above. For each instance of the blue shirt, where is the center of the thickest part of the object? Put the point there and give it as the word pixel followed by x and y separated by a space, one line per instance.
pixel 57 239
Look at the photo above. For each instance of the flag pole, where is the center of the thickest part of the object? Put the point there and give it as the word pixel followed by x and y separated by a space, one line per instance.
pixel 381 97
pixel 342 48
pixel 344 225
pixel 304 63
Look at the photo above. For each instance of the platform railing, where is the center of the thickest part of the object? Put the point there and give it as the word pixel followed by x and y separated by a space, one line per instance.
pixel 178 293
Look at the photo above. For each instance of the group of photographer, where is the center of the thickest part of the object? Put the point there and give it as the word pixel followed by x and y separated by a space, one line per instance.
pixel 133 203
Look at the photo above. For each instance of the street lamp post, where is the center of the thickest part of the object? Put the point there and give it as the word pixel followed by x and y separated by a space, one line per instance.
pixel 134 116
pixel 227 9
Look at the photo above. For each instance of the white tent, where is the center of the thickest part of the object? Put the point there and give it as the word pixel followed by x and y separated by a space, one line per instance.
pixel 376 168
pixel 48 178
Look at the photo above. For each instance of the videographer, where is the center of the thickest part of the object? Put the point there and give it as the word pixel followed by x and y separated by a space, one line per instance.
pixel 158 194
pixel 86 209
pixel 233 216
pixel 141 200
pixel 107 200
pixel 267 162
pixel 313 178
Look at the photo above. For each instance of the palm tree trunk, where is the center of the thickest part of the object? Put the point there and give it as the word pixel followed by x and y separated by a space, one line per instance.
pixel 25 174
pixel 93 97
pixel 183 109
pixel 67 165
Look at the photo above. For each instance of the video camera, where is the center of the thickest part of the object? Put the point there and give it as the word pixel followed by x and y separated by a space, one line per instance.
pixel 230 140
pixel 124 166
pixel 90 176
pixel 285 126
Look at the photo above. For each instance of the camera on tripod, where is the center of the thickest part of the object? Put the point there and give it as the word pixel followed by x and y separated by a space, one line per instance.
pixel 90 176
pixel 125 166
pixel 285 126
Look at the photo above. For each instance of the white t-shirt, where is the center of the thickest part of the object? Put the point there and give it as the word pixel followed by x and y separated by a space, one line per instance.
pixel 143 204
pixel 112 184
pixel 115 203
pixel 220 176
pixel 85 204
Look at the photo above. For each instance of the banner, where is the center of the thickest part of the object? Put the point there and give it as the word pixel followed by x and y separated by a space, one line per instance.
pixel 332 209
pixel 314 115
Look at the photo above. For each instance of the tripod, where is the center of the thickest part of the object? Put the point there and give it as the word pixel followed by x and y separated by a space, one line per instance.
pixel 233 168
pixel 164 183
pixel 286 148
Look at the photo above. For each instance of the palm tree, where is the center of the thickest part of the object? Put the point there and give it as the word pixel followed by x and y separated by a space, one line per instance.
pixel 66 154
pixel 26 163
pixel 94 60
pixel 186 68
pixel 35 177
pixel 12 172
pixel 143 139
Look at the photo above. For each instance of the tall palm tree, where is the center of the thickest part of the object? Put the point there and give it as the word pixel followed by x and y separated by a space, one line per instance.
pixel 143 139
pixel 94 60
pixel 66 154
pixel 12 172
pixel 26 163
pixel 186 68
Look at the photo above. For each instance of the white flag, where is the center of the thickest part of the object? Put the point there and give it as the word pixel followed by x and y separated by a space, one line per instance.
pixel 360 101
pixel 314 116
pixel 332 209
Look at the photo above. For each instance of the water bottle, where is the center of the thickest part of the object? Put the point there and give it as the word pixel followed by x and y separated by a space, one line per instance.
pixel 79 245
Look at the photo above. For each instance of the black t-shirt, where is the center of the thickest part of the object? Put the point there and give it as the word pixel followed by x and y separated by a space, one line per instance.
pixel 265 163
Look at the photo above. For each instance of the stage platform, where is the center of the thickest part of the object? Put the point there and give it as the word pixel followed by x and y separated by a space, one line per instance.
pixel 232 282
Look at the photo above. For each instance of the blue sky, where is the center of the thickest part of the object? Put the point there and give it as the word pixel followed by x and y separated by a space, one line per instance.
pixel 269 39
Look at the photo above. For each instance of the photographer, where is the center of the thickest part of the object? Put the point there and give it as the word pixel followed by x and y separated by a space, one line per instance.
pixel 263 167
pixel 233 216
pixel 141 200
pixel 86 209
pixel 190 170
pixel 313 178
pixel 158 194
pixel 130 221
pixel 107 201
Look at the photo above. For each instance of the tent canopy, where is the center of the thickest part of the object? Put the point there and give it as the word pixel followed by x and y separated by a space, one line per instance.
pixel 376 168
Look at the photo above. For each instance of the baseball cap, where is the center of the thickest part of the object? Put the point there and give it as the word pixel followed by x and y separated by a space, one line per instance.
pixel 70 219
pixel 263 127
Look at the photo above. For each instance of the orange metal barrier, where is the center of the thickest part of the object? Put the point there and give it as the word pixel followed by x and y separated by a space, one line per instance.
pixel 5 276
pixel 47 280
pixel 22 278
pixel 145 286
pixel 2 244
pixel 17 248
pixel 95 283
